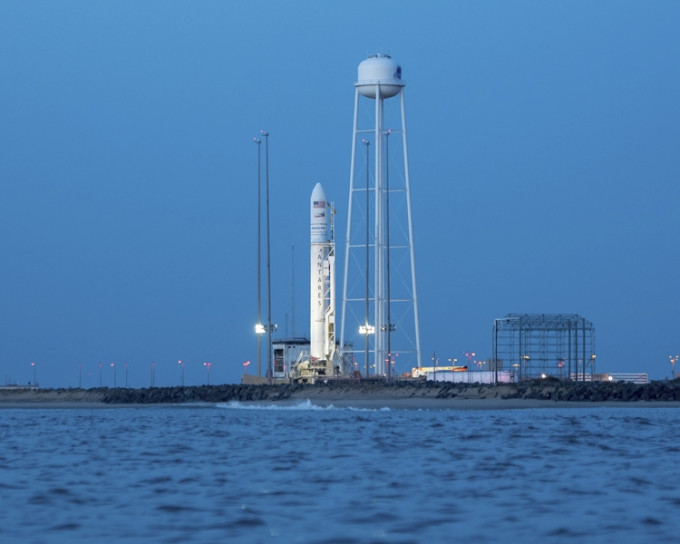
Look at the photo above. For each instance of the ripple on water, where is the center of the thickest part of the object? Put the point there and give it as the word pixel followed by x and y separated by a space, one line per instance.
pixel 244 475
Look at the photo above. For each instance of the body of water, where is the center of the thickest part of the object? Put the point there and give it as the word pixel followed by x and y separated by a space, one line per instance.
pixel 231 473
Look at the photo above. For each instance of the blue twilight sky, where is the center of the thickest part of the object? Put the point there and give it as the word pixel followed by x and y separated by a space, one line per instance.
pixel 544 164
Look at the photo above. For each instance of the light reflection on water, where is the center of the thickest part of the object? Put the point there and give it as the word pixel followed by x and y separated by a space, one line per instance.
pixel 302 474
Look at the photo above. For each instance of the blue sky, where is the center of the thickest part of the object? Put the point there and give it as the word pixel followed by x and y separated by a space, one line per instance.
pixel 543 151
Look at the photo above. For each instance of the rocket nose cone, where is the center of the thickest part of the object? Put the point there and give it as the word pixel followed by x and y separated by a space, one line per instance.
pixel 318 193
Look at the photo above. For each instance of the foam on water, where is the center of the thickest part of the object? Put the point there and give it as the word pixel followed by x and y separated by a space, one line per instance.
pixel 306 404
pixel 269 405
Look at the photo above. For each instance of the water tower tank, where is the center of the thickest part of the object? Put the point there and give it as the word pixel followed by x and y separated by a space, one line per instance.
pixel 379 70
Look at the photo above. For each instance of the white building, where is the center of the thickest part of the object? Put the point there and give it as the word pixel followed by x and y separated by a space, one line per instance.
pixel 286 353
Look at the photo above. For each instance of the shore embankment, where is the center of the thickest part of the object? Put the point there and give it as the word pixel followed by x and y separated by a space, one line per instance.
pixel 401 394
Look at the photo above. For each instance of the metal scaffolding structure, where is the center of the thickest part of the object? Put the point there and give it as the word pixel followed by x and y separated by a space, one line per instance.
pixel 541 345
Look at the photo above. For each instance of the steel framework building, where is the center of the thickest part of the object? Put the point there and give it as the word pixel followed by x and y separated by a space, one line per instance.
pixel 538 345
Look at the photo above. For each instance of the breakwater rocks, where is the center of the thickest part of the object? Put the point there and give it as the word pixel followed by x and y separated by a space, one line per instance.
pixel 204 393
pixel 566 391
pixel 546 390
pixel 535 390
pixel 596 391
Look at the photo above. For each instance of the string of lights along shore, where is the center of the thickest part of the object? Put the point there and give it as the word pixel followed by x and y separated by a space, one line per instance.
pixel 379 300
pixel 121 374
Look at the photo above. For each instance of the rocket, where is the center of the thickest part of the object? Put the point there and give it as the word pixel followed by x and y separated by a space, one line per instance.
pixel 322 272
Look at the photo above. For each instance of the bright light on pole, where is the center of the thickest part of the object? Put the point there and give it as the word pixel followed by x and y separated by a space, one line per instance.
pixel 673 359
pixel 366 330
pixel 207 369
pixel 181 365
pixel 560 367
pixel 525 361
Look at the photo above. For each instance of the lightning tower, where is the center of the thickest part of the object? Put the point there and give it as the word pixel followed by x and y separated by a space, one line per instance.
pixel 379 301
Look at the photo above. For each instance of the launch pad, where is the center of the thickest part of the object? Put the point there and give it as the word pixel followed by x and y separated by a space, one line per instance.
pixel 384 310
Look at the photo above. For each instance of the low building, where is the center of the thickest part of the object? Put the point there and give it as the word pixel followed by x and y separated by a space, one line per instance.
pixel 483 376
pixel 631 377
pixel 288 352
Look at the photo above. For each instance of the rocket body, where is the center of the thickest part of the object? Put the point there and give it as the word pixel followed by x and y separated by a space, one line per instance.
pixel 320 273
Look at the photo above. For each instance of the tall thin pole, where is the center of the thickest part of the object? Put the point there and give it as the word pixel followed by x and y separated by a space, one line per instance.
pixel 343 314
pixel 366 307
pixel 259 254
pixel 292 290
pixel 410 229
pixel 270 370
pixel 387 243
pixel 378 246
pixel 495 351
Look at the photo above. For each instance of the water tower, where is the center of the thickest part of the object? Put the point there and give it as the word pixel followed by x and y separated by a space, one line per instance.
pixel 379 302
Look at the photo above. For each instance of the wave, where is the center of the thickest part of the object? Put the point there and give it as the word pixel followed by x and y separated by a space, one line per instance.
pixel 305 405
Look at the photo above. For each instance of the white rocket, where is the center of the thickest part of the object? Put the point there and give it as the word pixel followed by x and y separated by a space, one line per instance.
pixel 322 279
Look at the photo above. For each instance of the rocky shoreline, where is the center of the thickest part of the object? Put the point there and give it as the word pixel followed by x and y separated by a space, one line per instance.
pixel 362 391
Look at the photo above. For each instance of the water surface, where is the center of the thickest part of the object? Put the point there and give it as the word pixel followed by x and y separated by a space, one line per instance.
pixel 231 473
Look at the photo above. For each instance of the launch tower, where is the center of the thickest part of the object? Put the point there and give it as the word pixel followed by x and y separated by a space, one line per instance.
pixel 379 302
